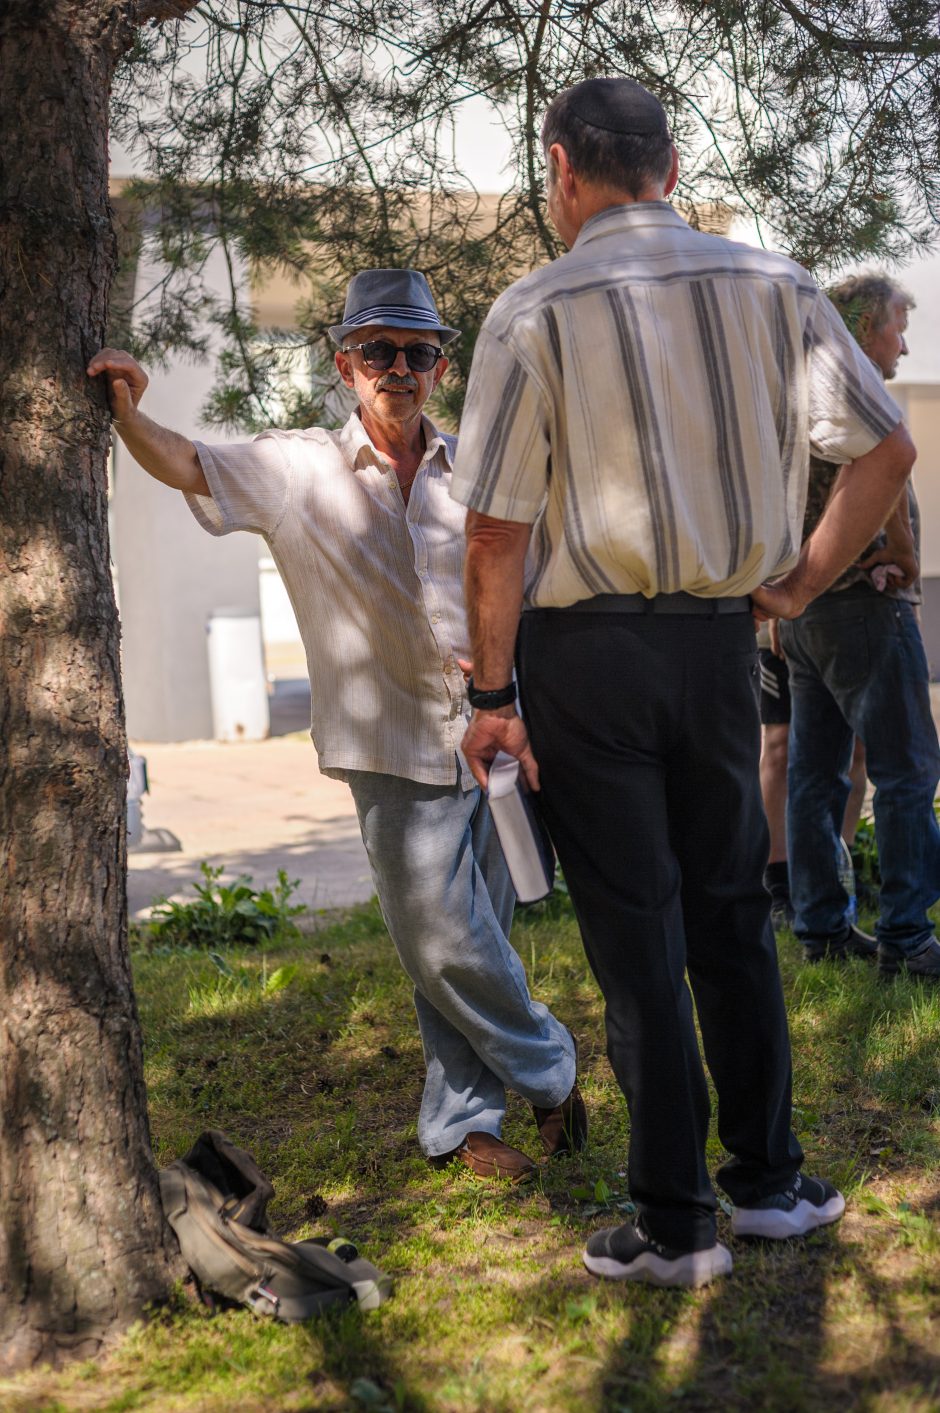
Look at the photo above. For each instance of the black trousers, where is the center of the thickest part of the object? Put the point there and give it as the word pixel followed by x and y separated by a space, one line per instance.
pixel 647 735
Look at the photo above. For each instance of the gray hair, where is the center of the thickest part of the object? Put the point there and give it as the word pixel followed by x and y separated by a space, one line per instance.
pixel 630 162
pixel 865 302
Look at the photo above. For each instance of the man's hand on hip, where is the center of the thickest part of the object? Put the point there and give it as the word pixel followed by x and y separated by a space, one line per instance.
pixel 900 557
pixel 784 598
pixel 502 730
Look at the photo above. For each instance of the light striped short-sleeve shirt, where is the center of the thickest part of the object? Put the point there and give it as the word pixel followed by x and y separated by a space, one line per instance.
pixel 649 401
pixel 376 587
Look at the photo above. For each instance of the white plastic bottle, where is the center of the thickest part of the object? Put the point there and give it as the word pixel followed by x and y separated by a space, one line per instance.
pixel 847 879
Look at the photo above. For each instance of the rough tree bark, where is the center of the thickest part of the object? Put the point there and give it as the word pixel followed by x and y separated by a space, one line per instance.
pixel 83 1244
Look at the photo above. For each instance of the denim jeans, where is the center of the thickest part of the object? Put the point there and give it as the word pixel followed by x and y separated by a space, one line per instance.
pixel 858 668
pixel 447 901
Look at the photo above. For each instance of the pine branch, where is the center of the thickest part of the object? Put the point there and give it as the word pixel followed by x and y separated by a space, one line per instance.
pixel 158 11
pixel 864 45
pixel 324 131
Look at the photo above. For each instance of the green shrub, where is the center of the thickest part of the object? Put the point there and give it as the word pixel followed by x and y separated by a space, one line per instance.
pixel 865 862
pixel 226 914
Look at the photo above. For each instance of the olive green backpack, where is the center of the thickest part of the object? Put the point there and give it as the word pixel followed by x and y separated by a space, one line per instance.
pixel 215 1199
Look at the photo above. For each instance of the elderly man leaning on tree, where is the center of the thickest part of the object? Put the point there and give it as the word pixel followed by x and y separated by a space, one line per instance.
pixel 638 422
pixel 370 545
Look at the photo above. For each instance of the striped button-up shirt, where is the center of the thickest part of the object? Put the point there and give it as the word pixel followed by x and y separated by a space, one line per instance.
pixel 376 587
pixel 649 401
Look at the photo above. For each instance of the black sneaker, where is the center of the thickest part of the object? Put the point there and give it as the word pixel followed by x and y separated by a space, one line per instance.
pixel 781 911
pixel 627 1254
pixel 809 1203
pixel 924 963
pixel 853 942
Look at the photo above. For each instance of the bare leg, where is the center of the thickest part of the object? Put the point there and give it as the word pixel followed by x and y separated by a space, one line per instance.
pixel 773 784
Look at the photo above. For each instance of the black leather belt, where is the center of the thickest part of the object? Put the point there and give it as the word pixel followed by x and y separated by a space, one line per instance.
pixel 659 603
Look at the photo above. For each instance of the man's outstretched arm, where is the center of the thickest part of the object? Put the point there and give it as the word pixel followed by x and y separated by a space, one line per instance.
pixel 494 582
pixel 900 549
pixel 167 456
pixel 863 495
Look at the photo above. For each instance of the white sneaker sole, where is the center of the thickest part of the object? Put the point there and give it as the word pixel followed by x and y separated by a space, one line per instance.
pixel 774 1225
pixel 694 1268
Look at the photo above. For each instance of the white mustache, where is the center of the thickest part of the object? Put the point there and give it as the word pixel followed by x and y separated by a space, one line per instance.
pixel 394 382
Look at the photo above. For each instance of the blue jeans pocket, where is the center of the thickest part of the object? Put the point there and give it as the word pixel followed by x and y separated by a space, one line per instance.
pixel 843 667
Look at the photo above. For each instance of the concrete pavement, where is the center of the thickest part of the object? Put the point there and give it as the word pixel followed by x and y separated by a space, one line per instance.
pixel 253 807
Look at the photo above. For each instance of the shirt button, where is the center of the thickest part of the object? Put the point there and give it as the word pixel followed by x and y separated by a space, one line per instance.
pixel 435 618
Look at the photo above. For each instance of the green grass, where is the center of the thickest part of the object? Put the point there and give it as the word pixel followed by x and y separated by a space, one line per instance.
pixel 319 1075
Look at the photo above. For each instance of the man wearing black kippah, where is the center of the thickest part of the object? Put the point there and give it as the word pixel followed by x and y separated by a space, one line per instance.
pixel 634 452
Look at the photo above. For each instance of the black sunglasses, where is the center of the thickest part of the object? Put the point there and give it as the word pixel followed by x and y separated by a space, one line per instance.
pixel 380 354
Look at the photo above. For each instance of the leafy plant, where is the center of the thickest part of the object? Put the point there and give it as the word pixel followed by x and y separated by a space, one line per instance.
pixel 865 861
pixel 230 985
pixel 243 979
pixel 602 1199
pixel 227 914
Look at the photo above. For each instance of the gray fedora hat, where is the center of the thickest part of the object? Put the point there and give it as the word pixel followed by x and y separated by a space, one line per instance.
pixel 399 299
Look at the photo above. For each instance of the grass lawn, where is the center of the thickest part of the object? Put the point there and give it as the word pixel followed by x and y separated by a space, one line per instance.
pixel 318 1073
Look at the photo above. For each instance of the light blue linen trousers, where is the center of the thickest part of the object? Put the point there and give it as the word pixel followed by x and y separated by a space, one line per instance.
pixel 447 901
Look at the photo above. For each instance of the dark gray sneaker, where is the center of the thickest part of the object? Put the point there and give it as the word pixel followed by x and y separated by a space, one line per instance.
pixel 807 1204
pixel 781 911
pixel 853 942
pixel 924 963
pixel 627 1254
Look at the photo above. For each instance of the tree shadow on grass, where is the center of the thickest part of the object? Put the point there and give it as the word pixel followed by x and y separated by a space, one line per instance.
pixel 350 1355
pixel 771 1337
pixel 760 1341
pixel 831 1322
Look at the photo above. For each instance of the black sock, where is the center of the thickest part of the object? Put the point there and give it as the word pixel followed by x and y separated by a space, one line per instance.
pixel 777 879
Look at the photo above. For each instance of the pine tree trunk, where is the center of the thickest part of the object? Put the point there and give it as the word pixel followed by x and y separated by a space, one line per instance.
pixel 83 1244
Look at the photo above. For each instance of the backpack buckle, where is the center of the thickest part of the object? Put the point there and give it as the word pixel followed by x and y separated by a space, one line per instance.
pixel 262 1292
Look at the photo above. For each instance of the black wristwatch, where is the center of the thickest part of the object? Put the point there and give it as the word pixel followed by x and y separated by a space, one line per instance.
pixel 490 701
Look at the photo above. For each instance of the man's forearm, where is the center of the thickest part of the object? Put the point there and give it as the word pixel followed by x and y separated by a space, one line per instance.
pixel 862 498
pixel 898 529
pixel 166 455
pixel 494 576
pixel 899 555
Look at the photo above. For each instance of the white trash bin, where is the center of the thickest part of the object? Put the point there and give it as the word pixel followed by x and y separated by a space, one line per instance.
pixel 236 676
pixel 137 787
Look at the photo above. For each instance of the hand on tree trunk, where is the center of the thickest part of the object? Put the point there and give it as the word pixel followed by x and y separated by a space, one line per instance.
pixel 126 381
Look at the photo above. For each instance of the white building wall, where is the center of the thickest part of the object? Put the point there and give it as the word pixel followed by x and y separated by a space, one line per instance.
pixel 172 575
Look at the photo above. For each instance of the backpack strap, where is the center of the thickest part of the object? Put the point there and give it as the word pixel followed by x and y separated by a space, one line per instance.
pixel 244 1188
